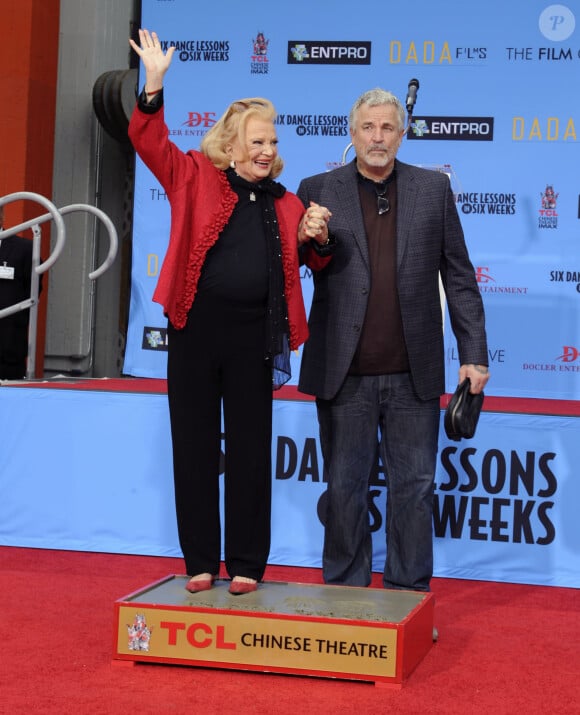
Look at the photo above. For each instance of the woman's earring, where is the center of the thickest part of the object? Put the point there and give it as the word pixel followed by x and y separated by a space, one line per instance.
pixel 232 164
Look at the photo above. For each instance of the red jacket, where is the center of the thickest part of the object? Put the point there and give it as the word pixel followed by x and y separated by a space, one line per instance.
pixel 202 202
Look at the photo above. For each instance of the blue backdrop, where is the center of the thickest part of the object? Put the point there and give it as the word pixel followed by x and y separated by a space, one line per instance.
pixel 99 479
pixel 498 109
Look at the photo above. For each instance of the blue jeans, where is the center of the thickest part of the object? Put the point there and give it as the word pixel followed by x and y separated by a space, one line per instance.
pixel 368 410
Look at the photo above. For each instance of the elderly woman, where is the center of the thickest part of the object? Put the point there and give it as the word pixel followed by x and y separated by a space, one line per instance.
pixel 230 288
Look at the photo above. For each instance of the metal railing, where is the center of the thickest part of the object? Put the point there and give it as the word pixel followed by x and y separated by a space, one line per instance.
pixel 37 269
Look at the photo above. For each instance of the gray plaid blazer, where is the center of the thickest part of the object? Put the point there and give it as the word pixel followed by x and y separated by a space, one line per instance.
pixel 430 242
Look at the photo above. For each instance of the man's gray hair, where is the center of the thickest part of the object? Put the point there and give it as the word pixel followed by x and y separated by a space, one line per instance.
pixel 375 98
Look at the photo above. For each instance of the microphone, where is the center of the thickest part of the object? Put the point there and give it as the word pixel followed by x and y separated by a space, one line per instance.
pixel 412 95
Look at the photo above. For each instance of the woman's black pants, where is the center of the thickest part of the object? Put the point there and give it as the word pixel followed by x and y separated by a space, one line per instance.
pixel 217 363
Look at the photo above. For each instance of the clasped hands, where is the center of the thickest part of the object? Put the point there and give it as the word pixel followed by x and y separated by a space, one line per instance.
pixel 314 224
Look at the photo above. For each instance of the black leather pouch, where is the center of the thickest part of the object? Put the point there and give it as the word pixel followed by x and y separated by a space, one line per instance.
pixel 462 413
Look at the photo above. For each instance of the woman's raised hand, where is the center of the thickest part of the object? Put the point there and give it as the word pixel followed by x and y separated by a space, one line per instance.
pixel 155 61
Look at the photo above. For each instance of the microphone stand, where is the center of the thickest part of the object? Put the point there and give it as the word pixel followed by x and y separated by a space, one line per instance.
pixel 410 102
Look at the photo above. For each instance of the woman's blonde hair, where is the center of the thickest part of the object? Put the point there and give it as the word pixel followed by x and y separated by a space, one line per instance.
pixel 233 124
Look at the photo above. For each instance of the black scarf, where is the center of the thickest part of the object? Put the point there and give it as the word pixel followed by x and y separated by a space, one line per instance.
pixel 277 348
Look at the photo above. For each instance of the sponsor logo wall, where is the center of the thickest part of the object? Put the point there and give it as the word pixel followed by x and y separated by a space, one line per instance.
pixel 498 111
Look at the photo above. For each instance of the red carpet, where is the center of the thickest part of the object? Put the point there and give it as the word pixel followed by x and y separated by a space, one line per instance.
pixel 503 648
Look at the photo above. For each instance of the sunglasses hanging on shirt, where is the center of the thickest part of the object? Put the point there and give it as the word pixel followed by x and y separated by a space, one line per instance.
pixel 383 205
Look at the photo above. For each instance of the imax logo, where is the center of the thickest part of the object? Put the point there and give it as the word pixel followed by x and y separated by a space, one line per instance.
pixel 328 53
pixel 452 128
